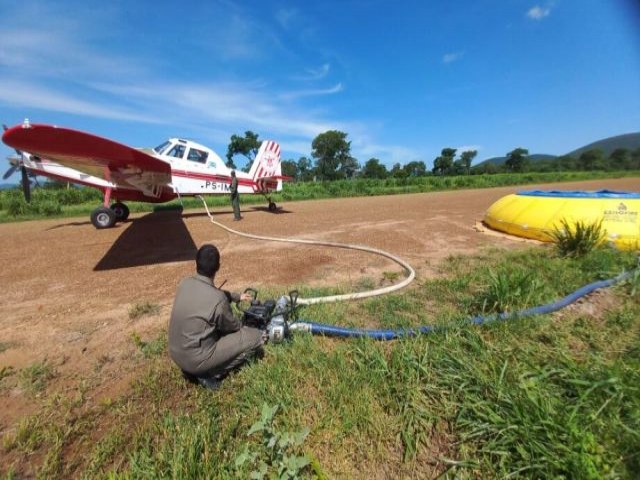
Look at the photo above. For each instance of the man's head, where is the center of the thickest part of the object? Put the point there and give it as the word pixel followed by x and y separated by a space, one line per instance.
pixel 233 173
pixel 207 260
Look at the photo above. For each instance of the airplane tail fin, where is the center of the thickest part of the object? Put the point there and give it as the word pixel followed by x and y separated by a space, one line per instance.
pixel 266 169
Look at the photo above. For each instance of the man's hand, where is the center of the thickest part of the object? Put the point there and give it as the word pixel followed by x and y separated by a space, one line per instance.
pixel 246 297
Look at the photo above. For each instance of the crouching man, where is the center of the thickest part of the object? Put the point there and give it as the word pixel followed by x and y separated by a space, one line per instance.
pixel 205 340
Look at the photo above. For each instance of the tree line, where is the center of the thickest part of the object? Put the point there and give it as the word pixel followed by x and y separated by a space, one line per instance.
pixel 331 159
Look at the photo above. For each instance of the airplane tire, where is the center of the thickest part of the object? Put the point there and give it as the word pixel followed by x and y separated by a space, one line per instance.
pixel 121 211
pixel 272 206
pixel 103 217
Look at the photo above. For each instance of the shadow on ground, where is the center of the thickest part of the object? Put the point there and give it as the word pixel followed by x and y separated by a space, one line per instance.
pixel 159 237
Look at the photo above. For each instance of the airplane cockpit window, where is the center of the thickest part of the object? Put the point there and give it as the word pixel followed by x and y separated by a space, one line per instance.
pixel 177 151
pixel 196 155
pixel 160 148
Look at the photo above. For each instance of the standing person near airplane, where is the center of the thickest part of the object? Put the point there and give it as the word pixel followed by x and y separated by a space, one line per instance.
pixel 235 196
pixel 205 340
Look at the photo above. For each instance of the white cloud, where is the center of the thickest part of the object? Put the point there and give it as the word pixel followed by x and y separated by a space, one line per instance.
pixel 388 154
pixel 538 12
pixel 337 88
pixel 285 16
pixel 313 74
pixel 29 95
pixel 72 68
pixel 452 57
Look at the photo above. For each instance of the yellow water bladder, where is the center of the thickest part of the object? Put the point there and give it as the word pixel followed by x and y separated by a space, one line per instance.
pixel 535 214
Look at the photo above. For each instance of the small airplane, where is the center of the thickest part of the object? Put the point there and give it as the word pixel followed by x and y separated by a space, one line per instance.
pixel 175 168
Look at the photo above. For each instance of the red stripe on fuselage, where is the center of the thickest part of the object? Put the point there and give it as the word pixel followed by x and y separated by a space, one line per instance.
pixel 247 182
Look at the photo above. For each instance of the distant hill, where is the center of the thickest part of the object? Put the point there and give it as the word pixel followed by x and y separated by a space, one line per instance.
pixel 630 141
pixel 5 186
pixel 536 157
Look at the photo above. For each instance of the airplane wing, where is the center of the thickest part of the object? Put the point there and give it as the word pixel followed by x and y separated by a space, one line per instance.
pixel 93 155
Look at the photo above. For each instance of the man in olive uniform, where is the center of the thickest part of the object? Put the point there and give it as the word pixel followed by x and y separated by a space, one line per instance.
pixel 235 196
pixel 205 340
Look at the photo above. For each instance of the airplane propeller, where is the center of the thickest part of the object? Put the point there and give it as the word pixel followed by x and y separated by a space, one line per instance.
pixel 18 162
pixel 9 172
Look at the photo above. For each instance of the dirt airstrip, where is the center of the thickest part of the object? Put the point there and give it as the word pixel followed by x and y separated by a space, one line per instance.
pixel 66 288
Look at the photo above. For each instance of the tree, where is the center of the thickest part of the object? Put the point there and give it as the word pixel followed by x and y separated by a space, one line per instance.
pixel 620 159
pixel 566 163
pixel 466 158
pixel 397 171
pixel 417 168
pixel 374 169
pixel 247 146
pixel 290 168
pixel 443 165
pixel 349 167
pixel 333 157
pixel 517 160
pixel 306 171
pixel 488 168
pixel 635 159
pixel 591 159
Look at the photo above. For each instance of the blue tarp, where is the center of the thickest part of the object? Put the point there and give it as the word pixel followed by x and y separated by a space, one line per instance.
pixel 580 194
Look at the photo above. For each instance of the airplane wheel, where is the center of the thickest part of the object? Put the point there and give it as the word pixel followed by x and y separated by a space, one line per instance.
pixel 103 217
pixel 272 207
pixel 121 211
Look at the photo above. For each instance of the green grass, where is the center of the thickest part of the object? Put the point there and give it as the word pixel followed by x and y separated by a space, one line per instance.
pixel 553 396
pixel 34 378
pixel 141 309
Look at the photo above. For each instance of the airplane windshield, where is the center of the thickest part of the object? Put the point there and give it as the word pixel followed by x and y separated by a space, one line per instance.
pixel 160 148
pixel 196 155
pixel 177 151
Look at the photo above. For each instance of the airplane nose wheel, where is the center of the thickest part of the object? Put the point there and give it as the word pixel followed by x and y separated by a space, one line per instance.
pixel 103 217
pixel 272 206
pixel 121 211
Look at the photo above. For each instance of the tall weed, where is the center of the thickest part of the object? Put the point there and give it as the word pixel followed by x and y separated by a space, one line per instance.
pixel 578 239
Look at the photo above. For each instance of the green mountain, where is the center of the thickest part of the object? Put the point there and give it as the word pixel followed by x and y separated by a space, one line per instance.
pixel 630 141
pixel 536 157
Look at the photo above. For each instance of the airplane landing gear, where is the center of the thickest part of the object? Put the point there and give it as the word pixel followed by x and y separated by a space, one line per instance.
pixel 121 211
pixel 103 217
pixel 272 206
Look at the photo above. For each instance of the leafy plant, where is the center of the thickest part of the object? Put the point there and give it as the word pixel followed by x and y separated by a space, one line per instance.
pixel 16 206
pixel 49 208
pixel 508 290
pixel 390 277
pixel 151 348
pixel 276 457
pixel 578 239
pixel 6 372
pixel 34 378
pixel 140 309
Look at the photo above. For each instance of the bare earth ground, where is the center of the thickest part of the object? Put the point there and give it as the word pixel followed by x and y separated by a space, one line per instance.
pixel 66 287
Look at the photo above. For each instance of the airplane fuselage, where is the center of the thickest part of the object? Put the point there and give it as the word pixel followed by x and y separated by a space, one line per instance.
pixel 173 169
pixel 204 174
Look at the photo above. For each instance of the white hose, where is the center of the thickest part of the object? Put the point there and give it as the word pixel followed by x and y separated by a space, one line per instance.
pixel 333 298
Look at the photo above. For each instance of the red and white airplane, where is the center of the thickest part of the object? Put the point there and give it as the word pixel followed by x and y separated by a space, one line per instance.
pixel 173 169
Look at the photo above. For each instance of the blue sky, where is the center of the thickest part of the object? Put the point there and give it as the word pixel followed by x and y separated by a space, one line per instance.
pixel 404 79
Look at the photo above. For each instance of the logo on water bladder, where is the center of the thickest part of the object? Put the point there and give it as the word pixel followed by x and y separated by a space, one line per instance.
pixel 621 214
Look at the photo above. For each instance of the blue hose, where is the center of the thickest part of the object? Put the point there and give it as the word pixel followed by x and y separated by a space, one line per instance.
pixel 333 331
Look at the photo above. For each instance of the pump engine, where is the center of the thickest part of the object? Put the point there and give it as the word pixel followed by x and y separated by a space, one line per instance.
pixel 271 316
